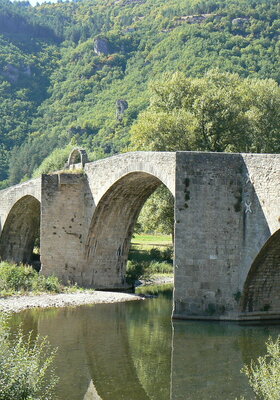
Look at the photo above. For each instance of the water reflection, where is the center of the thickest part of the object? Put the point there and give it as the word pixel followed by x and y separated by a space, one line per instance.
pixel 206 362
pixel 124 352
pixel 207 358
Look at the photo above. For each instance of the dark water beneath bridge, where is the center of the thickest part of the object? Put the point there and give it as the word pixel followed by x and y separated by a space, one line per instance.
pixel 132 351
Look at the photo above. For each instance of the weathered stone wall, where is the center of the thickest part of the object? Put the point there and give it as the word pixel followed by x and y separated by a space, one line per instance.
pixel 220 227
pixel 9 196
pixel 63 228
pixel 261 193
pixel 207 233
pixel 87 220
pixel 262 287
pixel 19 220
pixel 104 173
pixel 119 186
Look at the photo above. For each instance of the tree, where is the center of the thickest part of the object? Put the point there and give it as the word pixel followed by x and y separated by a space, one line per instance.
pixel 157 214
pixel 219 112
pixel 262 104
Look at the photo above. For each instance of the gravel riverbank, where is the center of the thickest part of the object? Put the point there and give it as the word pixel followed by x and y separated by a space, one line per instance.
pixel 45 300
pixel 19 303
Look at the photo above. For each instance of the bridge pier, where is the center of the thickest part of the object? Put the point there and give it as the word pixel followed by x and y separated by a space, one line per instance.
pixel 65 199
pixel 225 213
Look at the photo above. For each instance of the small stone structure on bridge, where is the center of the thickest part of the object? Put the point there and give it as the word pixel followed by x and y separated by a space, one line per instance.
pixel 227 226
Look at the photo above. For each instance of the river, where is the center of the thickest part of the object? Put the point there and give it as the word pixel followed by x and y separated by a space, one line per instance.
pixel 133 351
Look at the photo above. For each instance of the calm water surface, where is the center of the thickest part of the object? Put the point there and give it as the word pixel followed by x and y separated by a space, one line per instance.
pixel 132 351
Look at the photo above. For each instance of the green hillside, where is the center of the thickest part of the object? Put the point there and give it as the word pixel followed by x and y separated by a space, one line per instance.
pixel 65 66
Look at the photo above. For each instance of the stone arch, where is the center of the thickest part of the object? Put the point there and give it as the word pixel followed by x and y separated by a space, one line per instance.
pixel 20 230
pixel 77 156
pixel 262 286
pixel 111 229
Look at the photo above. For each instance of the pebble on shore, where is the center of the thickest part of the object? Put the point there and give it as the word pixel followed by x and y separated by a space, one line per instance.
pixel 22 302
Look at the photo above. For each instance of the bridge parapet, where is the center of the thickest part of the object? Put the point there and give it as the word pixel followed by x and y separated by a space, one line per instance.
pixel 104 173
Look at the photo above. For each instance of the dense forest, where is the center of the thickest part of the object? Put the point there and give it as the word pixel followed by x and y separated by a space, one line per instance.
pixel 83 73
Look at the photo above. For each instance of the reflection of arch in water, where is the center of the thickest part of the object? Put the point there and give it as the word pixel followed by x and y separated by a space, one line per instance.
pixel 206 361
pixel 20 230
pixel 93 360
pixel 109 355
pixel 111 229
pixel 149 334
pixel 261 289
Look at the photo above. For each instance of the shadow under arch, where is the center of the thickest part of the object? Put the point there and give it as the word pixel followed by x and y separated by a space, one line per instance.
pixel 111 230
pixel 261 289
pixel 20 231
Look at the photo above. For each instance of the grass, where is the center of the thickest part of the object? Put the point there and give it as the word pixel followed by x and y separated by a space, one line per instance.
pixel 23 279
pixel 152 240
pixel 165 290
pixel 152 255
pixel 78 171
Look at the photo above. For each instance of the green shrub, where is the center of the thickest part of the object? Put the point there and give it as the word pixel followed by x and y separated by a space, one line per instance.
pixel 161 255
pixel 157 267
pixel 167 254
pixel 54 162
pixel 48 284
pixel 155 253
pixel 13 277
pixel 136 271
pixel 264 374
pixel 22 278
pixel 143 270
pixel 26 371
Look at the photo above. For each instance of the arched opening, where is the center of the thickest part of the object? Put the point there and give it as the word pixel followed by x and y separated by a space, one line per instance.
pixel 20 231
pixel 150 256
pixel 262 286
pixel 77 156
pixel 111 230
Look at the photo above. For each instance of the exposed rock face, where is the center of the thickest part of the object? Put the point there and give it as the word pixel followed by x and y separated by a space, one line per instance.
pixel 12 73
pixel 194 19
pixel 101 46
pixel 239 22
pixel 127 2
pixel 121 106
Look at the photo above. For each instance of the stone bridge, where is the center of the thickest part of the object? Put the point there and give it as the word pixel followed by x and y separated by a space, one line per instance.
pixel 227 226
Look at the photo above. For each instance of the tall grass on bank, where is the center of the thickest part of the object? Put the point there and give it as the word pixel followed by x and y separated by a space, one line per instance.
pixel 21 279
pixel 26 371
